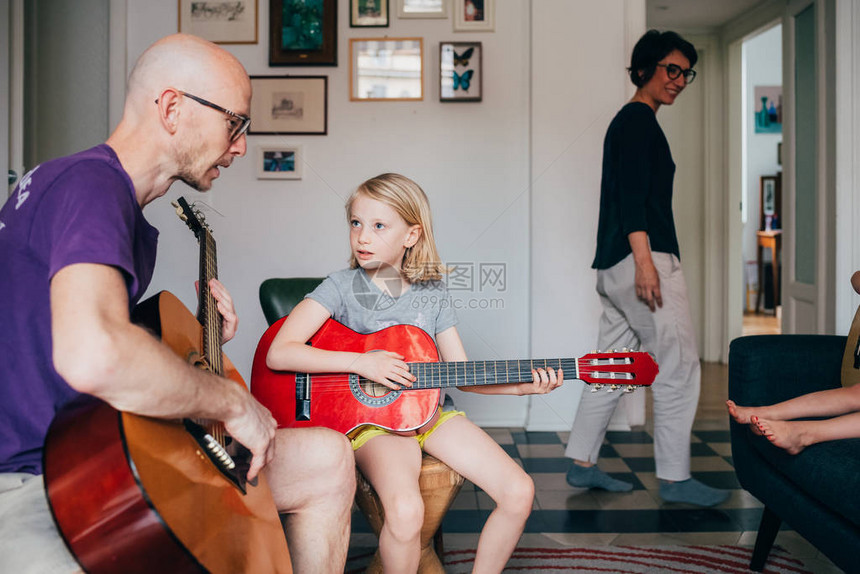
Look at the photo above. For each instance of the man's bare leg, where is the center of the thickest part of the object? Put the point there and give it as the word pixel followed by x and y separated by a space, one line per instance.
pixel 313 482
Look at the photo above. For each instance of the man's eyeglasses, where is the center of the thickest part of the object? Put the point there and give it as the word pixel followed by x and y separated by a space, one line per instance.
pixel 238 124
pixel 673 71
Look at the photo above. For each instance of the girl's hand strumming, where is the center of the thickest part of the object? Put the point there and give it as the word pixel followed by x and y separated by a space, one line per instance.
pixel 385 368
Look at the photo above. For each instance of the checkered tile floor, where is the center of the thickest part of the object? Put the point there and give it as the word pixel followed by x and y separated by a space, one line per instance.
pixel 625 455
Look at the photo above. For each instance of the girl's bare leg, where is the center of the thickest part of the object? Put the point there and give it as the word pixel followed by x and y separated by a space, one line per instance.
pixel 794 436
pixel 471 452
pixel 829 403
pixel 392 465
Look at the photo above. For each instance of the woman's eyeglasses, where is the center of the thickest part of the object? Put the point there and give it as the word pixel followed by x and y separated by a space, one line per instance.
pixel 674 71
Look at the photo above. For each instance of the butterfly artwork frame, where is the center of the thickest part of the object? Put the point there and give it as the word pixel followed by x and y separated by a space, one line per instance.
pixel 461 72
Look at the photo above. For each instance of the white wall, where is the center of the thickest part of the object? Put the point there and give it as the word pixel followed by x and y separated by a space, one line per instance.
pixel 684 125
pixel 762 67
pixel 579 84
pixel 473 160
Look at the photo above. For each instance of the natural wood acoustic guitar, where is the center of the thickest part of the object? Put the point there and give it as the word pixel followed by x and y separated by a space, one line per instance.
pixel 344 402
pixel 851 356
pixel 137 494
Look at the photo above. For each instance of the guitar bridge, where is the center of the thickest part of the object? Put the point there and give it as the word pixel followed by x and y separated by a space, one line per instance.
pixel 303 397
pixel 233 468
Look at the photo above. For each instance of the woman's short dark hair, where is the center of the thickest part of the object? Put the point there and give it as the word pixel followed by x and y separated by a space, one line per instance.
pixel 653 47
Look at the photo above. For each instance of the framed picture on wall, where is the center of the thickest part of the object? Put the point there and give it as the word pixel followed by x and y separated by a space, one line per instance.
pixel 422 8
pixel 386 69
pixel 768 109
pixel 771 201
pixel 221 22
pixel 460 72
pixel 302 32
pixel 474 15
pixel 279 162
pixel 368 13
pixel 288 105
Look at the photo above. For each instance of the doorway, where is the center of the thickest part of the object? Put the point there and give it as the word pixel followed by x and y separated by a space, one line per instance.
pixel 761 175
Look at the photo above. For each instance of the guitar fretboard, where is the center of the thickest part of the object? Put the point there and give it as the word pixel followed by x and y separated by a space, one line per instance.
pixel 473 373
pixel 207 312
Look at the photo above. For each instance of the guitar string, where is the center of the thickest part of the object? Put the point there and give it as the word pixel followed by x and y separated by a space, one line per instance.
pixel 338 382
pixel 212 322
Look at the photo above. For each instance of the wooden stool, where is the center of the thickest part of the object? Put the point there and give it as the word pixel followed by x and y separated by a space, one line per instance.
pixel 439 485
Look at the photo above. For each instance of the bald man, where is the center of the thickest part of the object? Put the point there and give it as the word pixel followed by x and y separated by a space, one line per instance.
pixel 76 255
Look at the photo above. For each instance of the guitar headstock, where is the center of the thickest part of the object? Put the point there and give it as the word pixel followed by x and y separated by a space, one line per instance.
pixel 193 218
pixel 625 369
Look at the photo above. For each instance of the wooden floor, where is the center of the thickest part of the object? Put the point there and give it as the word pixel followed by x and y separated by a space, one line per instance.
pixel 761 324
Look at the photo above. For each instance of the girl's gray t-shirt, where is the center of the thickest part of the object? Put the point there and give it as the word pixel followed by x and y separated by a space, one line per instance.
pixel 353 299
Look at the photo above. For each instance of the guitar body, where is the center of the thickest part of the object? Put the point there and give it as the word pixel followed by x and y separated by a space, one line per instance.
pixel 137 494
pixel 333 401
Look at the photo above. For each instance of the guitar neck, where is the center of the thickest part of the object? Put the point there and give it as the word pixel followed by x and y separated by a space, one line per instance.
pixel 207 310
pixel 475 373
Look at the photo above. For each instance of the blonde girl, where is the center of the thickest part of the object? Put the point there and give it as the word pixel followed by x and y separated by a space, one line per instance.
pixel 394 278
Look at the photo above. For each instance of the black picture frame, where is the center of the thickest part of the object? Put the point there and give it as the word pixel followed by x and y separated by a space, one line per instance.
pixel 461 72
pixel 770 190
pixel 289 105
pixel 294 42
pixel 361 17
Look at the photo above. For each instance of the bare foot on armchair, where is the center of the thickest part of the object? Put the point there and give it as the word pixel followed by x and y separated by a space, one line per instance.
pixel 742 415
pixel 790 436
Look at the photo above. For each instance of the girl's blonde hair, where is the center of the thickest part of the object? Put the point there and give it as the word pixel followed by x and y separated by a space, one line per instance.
pixel 421 262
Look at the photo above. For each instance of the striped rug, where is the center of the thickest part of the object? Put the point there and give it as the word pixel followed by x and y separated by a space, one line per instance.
pixel 634 560
pixel 615 560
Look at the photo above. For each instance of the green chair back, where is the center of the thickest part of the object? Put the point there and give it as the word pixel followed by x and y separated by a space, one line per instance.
pixel 278 296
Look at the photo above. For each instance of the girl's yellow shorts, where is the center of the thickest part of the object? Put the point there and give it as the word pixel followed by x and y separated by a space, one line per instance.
pixel 365 433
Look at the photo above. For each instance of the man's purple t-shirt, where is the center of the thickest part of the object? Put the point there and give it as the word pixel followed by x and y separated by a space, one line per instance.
pixel 76 209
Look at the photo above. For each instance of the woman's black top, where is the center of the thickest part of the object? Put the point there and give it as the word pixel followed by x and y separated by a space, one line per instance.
pixel 636 187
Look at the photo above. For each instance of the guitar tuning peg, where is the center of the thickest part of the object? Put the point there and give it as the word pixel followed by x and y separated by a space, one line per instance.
pixel 613 388
pixel 629 388
pixel 625 350
pixel 596 387
pixel 594 351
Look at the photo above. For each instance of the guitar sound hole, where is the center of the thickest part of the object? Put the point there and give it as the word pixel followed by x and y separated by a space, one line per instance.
pixel 371 394
pixel 373 389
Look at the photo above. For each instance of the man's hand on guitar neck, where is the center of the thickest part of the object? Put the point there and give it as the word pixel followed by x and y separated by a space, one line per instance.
pixel 225 307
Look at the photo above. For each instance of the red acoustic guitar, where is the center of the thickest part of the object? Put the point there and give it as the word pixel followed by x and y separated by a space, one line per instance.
pixel 137 494
pixel 344 402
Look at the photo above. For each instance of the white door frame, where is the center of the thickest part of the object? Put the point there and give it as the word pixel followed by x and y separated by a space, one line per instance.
pixel 725 306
